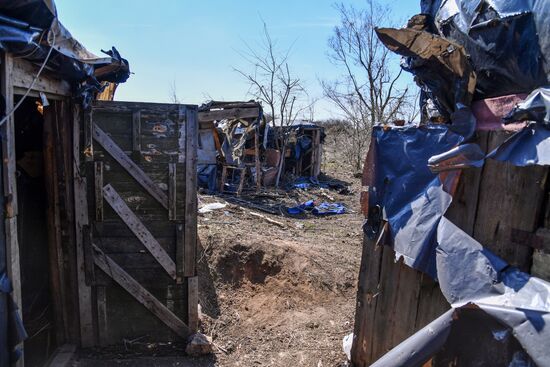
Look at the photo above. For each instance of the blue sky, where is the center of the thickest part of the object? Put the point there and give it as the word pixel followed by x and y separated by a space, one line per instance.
pixel 196 44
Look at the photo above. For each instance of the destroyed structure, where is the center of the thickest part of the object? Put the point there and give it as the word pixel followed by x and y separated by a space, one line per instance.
pixel 456 262
pixel 98 220
pixel 239 149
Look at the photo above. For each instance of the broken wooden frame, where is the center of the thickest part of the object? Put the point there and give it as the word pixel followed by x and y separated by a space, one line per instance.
pixel 77 186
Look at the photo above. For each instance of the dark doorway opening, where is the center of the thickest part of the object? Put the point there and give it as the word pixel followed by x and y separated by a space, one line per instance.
pixel 32 199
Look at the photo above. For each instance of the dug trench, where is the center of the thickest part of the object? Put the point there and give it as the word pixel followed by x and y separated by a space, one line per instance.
pixel 279 296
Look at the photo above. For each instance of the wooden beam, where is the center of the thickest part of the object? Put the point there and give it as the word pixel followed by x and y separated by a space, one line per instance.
pixel 230 114
pixel 139 230
pixel 55 249
pixel 23 74
pixel 136 131
pixel 111 268
pixel 172 191
pixel 102 322
pixel 133 169
pixel 63 356
pixel 10 187
pixel 193 303
pixel 180 249
pixel 98 189
pixel 190 249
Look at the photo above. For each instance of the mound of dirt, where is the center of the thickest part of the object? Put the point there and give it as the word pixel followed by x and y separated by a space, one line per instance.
pixel 240 262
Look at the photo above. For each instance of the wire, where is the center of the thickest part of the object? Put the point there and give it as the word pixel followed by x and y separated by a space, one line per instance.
pixel 5 118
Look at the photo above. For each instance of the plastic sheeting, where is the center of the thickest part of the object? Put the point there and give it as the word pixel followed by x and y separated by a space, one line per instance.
pixel 470 275
pixel 413 199
pixel 536 107
pixel 28 29
pixel 529 146
pixel 508 41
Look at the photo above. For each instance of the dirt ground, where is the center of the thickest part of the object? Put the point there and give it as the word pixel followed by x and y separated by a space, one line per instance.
pixel 275 294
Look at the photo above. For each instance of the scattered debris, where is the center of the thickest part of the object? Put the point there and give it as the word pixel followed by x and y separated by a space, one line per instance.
pixel 269 220
pixel 211 207
pixel 199 345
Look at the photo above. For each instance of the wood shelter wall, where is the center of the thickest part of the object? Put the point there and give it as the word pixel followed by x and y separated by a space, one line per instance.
pixel 502 206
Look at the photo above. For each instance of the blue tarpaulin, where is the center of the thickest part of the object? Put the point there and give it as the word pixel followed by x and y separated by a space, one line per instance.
pixel 321 209
pixel 413 199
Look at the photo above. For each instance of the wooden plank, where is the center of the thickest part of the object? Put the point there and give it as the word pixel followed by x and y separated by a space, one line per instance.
pixel 257 159
pixel 89 273
pixel 68 229
pixel 139 230
pixel 98 188
pixel 102 322
pixel 53 217
pixel 510 197
pixel 133 169
pixel 63 356
pixel 172 191
pixel 180 251
pixel 367 302
pixel 111 268
pixel 190 193
pixel 88 127
pixel 23 74
pixel 136 131
pixel 230 114
pixel 13 266
pixel 193 304
pixel 8 139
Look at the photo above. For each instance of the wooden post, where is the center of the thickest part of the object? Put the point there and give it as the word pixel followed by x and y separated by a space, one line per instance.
pixel 10 187
pixel 193 304
pixel 81 220
pixel 190 250
pixel 257 159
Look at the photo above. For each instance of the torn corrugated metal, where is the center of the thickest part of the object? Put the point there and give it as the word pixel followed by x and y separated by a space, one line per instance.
pixel 28 29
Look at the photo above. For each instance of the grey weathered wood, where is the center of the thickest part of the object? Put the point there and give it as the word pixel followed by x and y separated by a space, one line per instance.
pixel 230 114
pixel 8 141
pixel 133 169
pixel 135 225
pixel 10 187
pixel 395 301
pixel 81 220
pixel 52 165
pixel 23 73
pixel 172 191
pixel 180 249
pixel 136 131
pixel 88 127
pixel 105 263
pixel 193 303
pixel 98 187
pixel 191 193
pixel 102 322
pixel 63 356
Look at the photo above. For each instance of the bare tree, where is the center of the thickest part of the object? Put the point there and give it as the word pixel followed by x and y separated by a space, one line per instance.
pixel 173 93
pixel 272 82
pixel 367 92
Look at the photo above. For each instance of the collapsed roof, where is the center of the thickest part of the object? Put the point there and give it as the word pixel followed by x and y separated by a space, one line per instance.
pixel 31 30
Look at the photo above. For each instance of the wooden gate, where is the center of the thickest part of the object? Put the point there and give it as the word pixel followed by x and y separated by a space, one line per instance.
pixel 142 232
